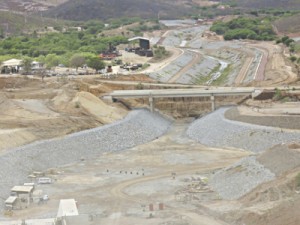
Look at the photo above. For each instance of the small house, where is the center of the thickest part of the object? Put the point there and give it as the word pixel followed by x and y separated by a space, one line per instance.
pixel 11 66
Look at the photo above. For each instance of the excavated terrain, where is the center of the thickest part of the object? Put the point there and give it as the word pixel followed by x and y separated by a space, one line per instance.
pixel 234 166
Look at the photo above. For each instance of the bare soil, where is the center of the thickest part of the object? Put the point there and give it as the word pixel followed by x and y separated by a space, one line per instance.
pixel 117 188
pixel 281 121
pixel 33 110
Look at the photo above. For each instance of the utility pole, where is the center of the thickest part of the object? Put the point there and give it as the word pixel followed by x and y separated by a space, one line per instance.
pixel 25 18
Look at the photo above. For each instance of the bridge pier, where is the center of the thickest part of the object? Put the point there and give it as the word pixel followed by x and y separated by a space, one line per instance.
pixel 151 102
pixel 213 103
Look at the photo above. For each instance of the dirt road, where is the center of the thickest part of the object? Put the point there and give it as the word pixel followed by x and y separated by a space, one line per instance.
pixel 277 69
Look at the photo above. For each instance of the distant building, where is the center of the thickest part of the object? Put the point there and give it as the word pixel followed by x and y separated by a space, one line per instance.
pixel 11 66
pixel 144 43
pixel 15 66
pixel 144 46
pixel 36 65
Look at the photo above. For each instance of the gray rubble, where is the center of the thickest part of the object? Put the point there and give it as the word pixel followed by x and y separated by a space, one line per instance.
pixel 217 131
pixel 237 180
pixel 201 69
pixel 174 67
pixel 140 126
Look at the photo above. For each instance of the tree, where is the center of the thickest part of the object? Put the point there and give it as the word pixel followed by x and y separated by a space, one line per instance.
pixel 42 73
pixel 96 63
pixel 51 60
pixel 298 67
pixel 26 63
pixel 77 61
pixel 1 33
pixel 293 58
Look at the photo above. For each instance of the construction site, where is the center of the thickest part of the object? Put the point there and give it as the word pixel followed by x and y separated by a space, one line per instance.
pixel 208 135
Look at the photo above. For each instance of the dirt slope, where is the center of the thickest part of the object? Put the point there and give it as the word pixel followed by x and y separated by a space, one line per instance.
pixel 97 108
pixel 33 111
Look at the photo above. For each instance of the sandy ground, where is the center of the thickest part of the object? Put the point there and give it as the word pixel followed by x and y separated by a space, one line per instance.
pixel 272 109
pixel 47 110
pixel 281 115
pixel 277 70
pixel 175 53
pixel 120 193
pixel 118 188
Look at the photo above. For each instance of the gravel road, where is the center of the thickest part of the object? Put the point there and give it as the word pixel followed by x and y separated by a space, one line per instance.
pixel 217 131
pixel 288 122
pixel 138 127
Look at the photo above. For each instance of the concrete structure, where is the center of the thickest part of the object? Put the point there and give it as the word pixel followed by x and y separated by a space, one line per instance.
pixel 144 46
pixel 10 202
pixel 23 190
pixel 30 222
pixel 36 65
pixel 67 207
pixel 179 93
pixel 144 43
pixel 67 213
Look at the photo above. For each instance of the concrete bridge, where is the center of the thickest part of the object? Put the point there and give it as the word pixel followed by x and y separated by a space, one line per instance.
pixel 178 93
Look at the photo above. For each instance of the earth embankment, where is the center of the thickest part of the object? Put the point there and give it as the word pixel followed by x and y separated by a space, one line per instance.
pixel 138 127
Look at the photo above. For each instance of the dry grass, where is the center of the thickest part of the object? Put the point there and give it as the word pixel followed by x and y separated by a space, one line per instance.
pixel 288 24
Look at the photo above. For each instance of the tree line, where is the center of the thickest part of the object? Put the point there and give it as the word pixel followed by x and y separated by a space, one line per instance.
pixel 52 49
pixel 245 28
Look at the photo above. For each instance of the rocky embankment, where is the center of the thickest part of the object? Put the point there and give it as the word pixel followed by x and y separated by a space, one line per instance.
pixel 140 126
pixel 240 178
pixel 217 131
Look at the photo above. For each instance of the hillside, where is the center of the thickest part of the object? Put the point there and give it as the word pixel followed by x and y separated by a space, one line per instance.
pixel 259 4
pixel 28 5
pixel 106 9
pixel 12 23
pixel 287 25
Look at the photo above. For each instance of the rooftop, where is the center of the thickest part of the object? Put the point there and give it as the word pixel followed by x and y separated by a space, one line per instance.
pixel 11 200
pixel 22 189
pixel 12 62
pixel 138 38
pixel 67 207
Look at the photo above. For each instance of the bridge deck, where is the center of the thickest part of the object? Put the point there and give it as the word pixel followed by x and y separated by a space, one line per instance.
pixel 181 93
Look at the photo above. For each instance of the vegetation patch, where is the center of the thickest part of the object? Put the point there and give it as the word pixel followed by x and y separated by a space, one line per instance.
pixel 278 95
pixel 144 27
pixel 224 76
pixel 245 28
pixel 298 180
pixel 204 79
pixel 160 52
